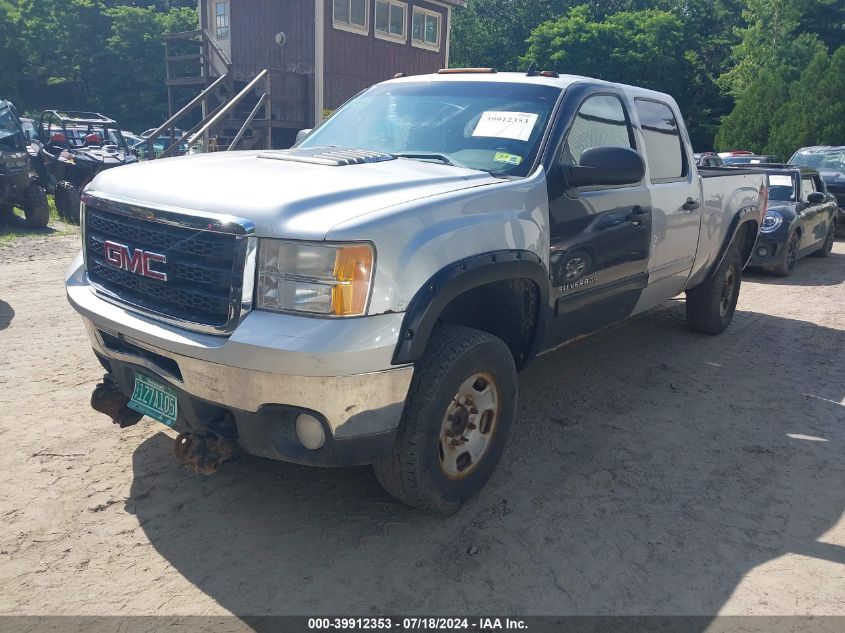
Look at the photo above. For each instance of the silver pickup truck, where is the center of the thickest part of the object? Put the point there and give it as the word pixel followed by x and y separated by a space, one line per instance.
pixel 369 296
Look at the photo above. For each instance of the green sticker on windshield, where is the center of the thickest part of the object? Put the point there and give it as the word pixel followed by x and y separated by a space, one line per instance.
pixel 510 159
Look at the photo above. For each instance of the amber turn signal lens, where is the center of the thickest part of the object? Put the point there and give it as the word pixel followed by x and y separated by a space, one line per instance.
pixel 353 271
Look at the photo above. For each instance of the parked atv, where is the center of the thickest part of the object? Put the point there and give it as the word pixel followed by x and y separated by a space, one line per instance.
pixel 19 187
pixel 76 146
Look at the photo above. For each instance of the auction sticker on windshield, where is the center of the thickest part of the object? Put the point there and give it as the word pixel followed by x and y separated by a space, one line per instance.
pixel 513 125
pixel 154 399
pixel 777 180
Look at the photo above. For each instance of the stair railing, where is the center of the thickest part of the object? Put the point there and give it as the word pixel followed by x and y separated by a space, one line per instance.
pixel 213 120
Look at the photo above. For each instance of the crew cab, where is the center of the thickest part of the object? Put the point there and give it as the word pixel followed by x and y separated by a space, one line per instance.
pixel 369 296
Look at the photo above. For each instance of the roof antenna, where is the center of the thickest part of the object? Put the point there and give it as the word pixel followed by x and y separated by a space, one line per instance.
pixel 532 70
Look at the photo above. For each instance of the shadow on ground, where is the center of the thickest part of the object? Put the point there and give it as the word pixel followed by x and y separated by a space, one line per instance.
pixel 810 271
pixel 649 470
pixel 12 224
pixel 7 313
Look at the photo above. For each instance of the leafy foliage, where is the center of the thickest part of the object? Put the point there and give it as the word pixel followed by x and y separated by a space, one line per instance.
pixel 103 55
pixel 746 73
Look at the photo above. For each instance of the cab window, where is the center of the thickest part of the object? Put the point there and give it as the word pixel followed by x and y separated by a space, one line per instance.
pixel 600 122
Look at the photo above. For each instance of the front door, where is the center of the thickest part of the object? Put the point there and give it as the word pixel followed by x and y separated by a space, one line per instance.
pixel 600 236
pixel 813 217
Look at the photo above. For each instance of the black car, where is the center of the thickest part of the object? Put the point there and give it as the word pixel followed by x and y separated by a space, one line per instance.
pixel 708 159
pixel 750 159
pixel 830 162
pixel 800 220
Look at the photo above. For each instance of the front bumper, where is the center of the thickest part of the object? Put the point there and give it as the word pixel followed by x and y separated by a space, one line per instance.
pixel 337 369
pixel 768 251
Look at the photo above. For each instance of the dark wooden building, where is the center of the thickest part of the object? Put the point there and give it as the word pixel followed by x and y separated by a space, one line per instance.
pixel 314 54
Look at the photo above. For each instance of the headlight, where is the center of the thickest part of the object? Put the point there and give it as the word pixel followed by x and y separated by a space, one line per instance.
pixel 771 222
pixel 320 279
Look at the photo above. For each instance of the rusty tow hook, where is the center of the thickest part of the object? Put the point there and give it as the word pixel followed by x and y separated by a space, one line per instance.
pixel 203 454
pixel 108 400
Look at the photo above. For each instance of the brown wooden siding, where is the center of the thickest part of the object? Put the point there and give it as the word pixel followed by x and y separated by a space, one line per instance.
pixel 255 24
pixel 355 61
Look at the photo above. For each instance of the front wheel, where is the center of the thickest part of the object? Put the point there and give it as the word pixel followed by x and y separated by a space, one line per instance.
pixel 790 257
pixel 67 201
pixel 456 422
pixel 36 208
pixel 711 306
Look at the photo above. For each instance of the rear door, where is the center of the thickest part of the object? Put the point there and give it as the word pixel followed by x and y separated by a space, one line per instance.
pixel 599 235
pixel 675 198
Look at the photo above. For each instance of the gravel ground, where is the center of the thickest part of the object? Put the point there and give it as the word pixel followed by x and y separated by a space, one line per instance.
pixel 651 471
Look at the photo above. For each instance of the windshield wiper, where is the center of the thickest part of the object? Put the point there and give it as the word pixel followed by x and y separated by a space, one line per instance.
pixel 430 156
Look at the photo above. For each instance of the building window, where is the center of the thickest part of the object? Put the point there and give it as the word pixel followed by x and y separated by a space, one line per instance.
pixel 391 20
pixel 351 15
pixel 425 30
pixel 221 20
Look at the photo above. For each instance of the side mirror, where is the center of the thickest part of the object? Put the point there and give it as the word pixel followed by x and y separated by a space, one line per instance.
pixel 606 166
pixel 817 197
pixel 302 134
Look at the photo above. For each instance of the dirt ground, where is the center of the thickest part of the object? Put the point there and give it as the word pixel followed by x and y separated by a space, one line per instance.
pixel 651 471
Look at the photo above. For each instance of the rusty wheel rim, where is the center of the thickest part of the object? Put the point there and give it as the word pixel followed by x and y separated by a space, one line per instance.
pixel 469 426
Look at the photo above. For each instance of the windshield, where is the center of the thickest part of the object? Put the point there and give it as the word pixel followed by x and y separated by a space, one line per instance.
pixel 490 126
pixel 10 133
pixel 781 188
pixel 833 160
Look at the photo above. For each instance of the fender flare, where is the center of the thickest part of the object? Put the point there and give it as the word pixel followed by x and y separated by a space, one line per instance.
pixel 742 217
pixel 449 282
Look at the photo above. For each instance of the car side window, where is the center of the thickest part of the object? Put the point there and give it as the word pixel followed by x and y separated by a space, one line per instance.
pixel 807 187
pixel 664 147
pixel 600 122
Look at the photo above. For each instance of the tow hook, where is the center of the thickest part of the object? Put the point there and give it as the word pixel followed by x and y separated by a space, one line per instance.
pixel 107 399
pixel 203 454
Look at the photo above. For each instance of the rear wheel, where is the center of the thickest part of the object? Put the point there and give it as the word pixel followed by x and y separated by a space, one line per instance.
pixel 456 422
pixel 790 256
pixel 827 246
pixel 711 306
pixel 67 201
pixel 36 208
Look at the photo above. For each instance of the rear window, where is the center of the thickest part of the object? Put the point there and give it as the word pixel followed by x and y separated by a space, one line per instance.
pixel 664 149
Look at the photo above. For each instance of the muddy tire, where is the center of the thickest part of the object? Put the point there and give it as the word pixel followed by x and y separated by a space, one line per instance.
pixel 36 208
pixel 67 201
pixel 827 245
pixel 456 422
pixel 790 256
pixel 711 306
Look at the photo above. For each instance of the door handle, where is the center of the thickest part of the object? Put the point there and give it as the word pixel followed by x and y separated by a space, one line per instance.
pixel 690 205
pixel 636 215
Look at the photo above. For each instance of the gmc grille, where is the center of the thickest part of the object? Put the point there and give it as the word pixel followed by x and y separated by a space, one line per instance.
pixel 204 268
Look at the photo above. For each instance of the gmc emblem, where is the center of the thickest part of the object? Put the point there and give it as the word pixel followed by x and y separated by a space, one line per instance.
pixel 137 261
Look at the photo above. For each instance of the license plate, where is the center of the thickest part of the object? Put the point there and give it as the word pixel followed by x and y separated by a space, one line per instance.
pixel 154 399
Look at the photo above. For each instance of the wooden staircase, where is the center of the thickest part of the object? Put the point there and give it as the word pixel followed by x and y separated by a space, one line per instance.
pixel 236 114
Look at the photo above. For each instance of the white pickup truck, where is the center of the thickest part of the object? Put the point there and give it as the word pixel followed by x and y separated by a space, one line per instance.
pixel 369 296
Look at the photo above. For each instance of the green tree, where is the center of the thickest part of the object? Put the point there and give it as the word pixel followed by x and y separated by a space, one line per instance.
pixel 9 56
pixel 132 77
pixel 815 111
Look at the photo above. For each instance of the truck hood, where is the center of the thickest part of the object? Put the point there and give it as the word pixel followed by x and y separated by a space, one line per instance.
pixel 281 195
